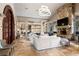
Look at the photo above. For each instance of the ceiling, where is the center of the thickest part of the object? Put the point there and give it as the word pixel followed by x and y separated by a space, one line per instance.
pixel 31 9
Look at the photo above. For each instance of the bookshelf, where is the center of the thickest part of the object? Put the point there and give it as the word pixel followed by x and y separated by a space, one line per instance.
pixel 36 28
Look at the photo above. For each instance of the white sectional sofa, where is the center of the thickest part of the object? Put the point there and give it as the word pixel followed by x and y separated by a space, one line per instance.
pixel 32 37
pixel 44 41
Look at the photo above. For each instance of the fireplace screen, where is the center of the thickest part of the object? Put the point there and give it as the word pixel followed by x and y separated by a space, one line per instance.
pixel 63 31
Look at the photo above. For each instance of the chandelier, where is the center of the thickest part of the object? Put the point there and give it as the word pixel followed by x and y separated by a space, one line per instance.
pixel 44 11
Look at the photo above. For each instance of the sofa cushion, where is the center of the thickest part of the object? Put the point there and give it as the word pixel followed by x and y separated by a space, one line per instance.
pixel 64 41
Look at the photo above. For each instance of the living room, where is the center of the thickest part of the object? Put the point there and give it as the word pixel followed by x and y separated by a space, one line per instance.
pixel 57 31
pixel 39 29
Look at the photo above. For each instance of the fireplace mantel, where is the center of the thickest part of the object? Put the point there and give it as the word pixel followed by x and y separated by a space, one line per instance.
pixel 67 26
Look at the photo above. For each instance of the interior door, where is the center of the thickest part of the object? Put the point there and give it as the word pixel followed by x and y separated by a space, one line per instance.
pixel 8 27
pixel 5 30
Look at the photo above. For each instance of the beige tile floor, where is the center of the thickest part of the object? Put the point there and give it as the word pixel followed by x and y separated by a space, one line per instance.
pixel 23 47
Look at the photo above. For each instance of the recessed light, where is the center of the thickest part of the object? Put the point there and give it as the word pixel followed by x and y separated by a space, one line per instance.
pixel 37 10
pixel 26 8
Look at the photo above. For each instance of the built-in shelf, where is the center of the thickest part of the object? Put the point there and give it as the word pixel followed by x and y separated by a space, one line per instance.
pixel 36 28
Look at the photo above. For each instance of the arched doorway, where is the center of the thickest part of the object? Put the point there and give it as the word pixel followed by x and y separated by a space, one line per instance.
pixel 8 25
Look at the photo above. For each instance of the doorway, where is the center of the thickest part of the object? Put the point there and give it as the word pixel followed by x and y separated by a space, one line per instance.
pixel 8 25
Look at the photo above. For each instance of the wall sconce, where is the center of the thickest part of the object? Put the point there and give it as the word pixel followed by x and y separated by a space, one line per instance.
pixel 2 15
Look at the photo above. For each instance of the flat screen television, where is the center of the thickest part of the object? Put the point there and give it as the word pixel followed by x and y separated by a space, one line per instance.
pixel 62 22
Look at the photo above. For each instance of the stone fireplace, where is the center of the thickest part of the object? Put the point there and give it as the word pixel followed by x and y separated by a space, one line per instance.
pixel 64 31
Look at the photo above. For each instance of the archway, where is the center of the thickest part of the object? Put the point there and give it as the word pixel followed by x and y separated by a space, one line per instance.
pixel 8 25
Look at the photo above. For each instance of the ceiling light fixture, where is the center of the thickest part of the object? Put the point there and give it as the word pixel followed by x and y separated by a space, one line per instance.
pixel 44 11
